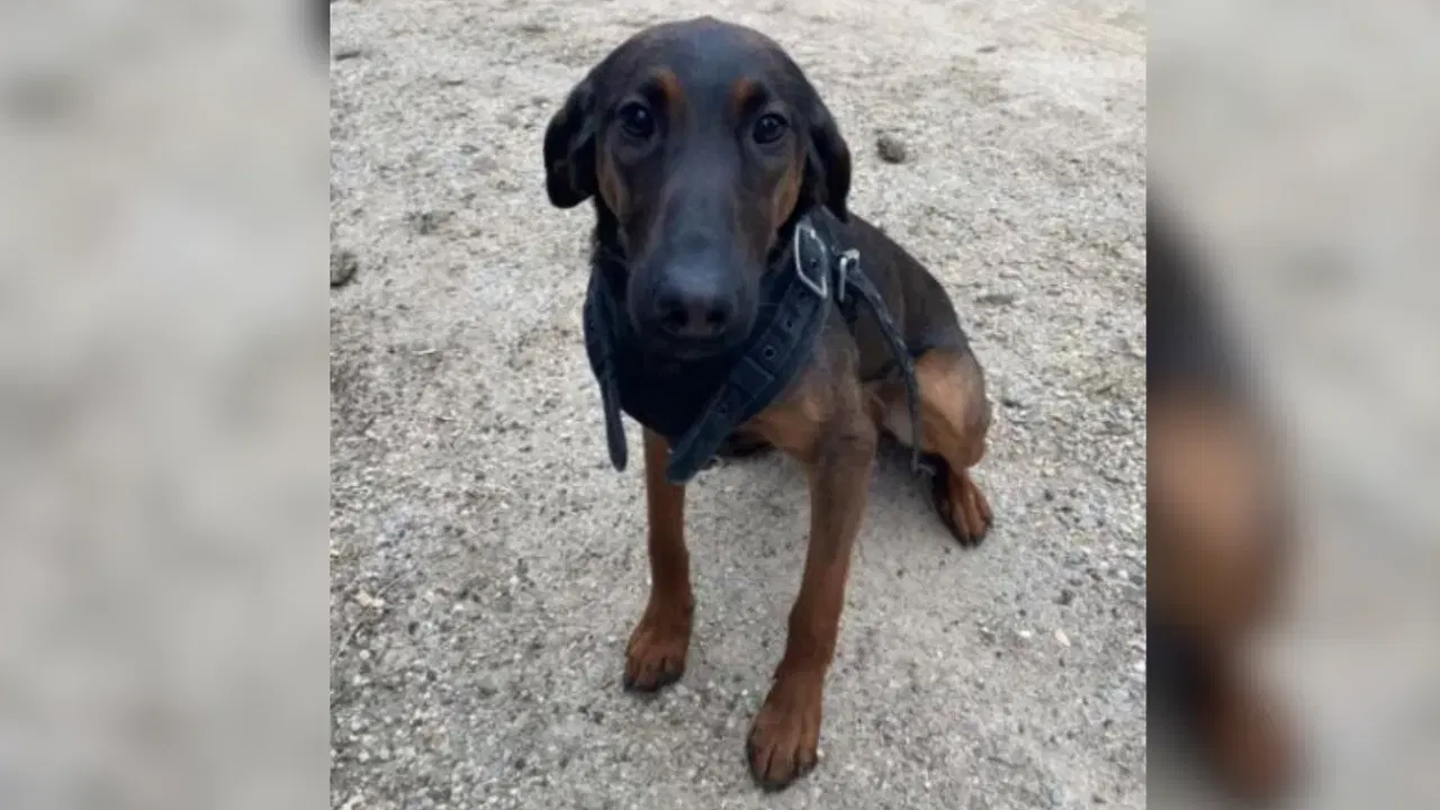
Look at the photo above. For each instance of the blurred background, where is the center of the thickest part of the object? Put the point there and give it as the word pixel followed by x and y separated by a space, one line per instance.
pixel 1297 141
pixel 163 452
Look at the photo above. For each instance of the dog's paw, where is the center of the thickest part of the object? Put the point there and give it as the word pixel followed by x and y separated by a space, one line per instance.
pixel 784 738
pixel 961 505
pixel 655 657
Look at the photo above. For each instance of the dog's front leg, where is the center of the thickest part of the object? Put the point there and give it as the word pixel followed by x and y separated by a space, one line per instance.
pixel 785 735
pixel 656 654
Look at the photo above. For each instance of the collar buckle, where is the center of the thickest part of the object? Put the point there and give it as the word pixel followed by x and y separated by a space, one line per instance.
pixel 848 261
pixel 818 258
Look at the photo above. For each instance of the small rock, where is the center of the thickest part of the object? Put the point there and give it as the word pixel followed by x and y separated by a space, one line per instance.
pixel 345 54
pixel 366 600
pixel 1062 638
pixel 428 222
pixel 998 299
pixel 343 265
pixel 891 149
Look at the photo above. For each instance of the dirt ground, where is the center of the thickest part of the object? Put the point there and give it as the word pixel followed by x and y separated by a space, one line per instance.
pixel 487 563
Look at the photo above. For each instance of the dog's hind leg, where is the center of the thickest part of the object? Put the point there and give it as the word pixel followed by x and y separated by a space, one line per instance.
pixel 954 418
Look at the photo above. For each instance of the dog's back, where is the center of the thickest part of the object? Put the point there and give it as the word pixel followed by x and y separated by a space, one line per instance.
pixel 921 306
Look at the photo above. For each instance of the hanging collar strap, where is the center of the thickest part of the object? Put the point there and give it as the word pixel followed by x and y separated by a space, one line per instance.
pixel 821 273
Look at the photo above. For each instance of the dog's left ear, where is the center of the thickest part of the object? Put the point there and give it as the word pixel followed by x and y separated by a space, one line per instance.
pixel 570 148
pixel 827 161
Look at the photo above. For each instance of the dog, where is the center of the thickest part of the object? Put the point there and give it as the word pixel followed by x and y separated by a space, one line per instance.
pixel 710 158
pixel 1218 525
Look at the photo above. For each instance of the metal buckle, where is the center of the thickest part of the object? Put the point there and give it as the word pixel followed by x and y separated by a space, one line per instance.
pixel 821 287
pixel 847 262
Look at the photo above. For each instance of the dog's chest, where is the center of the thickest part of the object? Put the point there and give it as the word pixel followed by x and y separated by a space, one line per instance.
pixel 667 397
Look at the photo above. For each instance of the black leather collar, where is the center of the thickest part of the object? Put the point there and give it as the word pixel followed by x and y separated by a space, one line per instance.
pixel 696 405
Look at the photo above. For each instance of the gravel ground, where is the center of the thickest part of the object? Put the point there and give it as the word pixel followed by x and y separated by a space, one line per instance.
pixel 487 564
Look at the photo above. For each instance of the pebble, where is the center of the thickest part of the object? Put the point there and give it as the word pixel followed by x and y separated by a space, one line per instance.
pixel 364 599
pixel 891 149
pixel 343 266
pixel 998 299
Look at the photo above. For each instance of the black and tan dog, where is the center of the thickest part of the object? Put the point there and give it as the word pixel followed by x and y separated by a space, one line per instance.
pixel 1218 522
pixel 708 156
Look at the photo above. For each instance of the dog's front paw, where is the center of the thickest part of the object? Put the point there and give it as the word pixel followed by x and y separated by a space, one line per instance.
pixel 655 657
pixel 785 736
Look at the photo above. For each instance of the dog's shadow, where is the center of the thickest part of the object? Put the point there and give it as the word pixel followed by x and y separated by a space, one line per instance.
pixel 748 521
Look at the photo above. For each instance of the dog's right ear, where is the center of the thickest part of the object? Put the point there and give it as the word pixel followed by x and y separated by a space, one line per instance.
pixel 827 160
pixel 570 148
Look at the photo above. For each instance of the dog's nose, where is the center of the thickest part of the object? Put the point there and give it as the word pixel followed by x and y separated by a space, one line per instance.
pixel 691 309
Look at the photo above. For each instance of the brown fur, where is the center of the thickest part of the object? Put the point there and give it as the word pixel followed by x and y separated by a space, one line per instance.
pixel 612 191
pixel 742 92
pixel 655 656
pixel 1214 567
pixel 954 418
pixel 672 90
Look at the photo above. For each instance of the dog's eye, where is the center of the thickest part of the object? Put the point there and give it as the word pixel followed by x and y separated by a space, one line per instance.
pixel 636 121
pixel 769 129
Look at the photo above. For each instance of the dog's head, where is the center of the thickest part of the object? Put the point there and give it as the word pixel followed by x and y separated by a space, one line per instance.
pixel 701 142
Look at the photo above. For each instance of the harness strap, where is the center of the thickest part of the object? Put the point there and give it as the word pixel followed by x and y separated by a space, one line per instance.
pixel 599 324
pixel 856 286
pixel 770 363
pixel 758 378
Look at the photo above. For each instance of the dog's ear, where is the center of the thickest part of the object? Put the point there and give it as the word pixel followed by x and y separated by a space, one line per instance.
pixel 827 161
pixel 570 148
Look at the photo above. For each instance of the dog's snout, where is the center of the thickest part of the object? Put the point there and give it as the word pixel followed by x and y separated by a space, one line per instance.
pixel 690 306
